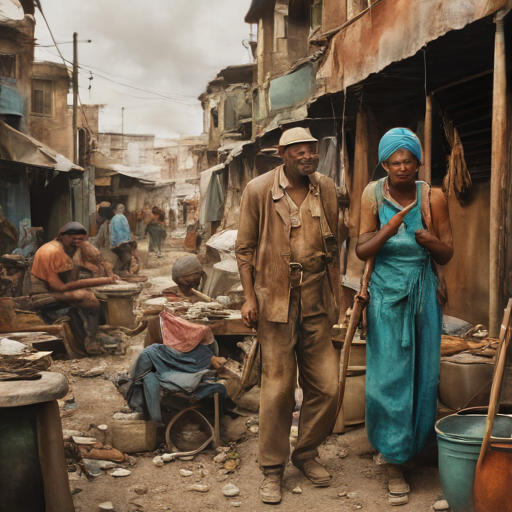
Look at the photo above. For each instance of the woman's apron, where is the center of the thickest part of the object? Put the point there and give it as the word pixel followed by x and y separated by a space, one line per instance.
pixel 403 340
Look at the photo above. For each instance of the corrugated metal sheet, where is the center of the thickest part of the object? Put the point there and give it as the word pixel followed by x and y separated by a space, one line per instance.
pixel 392 31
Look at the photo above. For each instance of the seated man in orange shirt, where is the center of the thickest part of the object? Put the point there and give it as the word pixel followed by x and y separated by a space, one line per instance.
pixel 64 270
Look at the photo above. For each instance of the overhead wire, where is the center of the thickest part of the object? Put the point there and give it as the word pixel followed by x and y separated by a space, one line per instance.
pixel 95 73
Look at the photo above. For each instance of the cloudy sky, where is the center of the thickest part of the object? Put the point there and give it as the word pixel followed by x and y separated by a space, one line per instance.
pixel 168 48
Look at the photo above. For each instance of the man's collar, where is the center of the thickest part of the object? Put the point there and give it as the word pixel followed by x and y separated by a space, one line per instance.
pixel 281 182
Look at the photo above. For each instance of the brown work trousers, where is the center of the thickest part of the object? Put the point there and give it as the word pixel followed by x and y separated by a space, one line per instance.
pixel 305 342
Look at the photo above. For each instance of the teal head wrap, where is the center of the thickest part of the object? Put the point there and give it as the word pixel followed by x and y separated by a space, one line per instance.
pixel 399 138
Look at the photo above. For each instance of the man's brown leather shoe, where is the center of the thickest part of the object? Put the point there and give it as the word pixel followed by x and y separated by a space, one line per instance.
pixel 314 471
pixel 271 487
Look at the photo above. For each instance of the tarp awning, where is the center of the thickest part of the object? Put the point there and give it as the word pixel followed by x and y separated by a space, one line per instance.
pixel 10 101
pixel 146 174
pixel 18 147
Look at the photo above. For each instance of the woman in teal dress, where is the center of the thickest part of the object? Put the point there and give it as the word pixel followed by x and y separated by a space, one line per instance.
pixel 405 227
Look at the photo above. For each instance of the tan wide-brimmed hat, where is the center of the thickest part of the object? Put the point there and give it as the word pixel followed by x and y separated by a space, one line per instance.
pixel 296 136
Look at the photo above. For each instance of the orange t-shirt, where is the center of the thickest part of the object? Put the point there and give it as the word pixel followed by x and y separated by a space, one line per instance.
pixel 51 259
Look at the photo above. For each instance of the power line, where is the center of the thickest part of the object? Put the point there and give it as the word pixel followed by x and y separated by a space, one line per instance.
pixel 84 66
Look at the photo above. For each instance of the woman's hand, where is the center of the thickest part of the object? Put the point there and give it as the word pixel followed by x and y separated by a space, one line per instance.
pixel 425 238
pixel 250 313
pixel 370 244
pixel 397 220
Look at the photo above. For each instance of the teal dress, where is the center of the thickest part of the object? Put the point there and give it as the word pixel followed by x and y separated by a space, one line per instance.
pixel 403 340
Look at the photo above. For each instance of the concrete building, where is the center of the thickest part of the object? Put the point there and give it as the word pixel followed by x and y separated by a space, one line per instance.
pixel 34 178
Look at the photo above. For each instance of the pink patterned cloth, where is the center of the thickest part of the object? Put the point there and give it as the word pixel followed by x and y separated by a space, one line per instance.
pixel 182 335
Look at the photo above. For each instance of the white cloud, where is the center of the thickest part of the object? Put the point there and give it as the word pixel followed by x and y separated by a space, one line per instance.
pixel 173 47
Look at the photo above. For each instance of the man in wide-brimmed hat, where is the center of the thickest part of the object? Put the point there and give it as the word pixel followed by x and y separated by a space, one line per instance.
pixel 288 260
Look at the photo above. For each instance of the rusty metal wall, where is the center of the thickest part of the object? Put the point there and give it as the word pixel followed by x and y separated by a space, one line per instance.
pixel 393 31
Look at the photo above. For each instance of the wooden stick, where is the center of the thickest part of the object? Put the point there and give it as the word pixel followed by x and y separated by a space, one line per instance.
pixel 202 296
pixel 497 379
pixel 360 302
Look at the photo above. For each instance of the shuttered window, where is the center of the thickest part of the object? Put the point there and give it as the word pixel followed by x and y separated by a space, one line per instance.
pixel 7 65
pixel 42 97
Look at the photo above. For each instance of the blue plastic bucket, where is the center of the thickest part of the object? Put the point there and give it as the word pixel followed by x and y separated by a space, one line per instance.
pixel 459 440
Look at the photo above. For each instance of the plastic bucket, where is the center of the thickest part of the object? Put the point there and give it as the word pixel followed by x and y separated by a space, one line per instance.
pixel 459 439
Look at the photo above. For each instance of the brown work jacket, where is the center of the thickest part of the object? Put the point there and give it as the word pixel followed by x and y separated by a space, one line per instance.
pixel 263 242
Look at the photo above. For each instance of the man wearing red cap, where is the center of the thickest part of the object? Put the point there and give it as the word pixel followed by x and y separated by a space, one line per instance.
pixel 288 260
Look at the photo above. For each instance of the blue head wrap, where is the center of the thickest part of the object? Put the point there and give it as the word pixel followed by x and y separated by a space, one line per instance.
pixel 399 138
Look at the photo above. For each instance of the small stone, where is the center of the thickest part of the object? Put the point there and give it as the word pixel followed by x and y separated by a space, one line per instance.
pixel 158 461
pixel 236 503
pixel 84 440
pixel 106 506
pixel 342 494
pixel 297 490
pixel 94 372
pixel 92 468
pixel 103 464
pixel 167 457
pixel 352 495
pixel 199 488
pixel 359 506
pixel 254 429
pixel 342 454
pixel 221 457
pixel 231 464
pixel 132 461
pixel 441 505
pixel 102 427
pixel 68 434
pixel 230 490
pixel 139 489
pixel 186 473
pixel 121 472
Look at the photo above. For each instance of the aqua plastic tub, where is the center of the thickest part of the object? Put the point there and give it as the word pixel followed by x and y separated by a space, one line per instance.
pixel 459 439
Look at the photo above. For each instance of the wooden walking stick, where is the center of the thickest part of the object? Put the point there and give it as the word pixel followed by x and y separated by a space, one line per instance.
pixel 361 300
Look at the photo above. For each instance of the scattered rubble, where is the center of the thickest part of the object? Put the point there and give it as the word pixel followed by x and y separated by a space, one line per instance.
pixel 199 488
pixel 441 505
pixel 121 472
pixel 186 473
pixel 230 490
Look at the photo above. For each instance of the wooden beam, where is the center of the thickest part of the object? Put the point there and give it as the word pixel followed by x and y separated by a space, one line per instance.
pixel 426 168
pixel 498 165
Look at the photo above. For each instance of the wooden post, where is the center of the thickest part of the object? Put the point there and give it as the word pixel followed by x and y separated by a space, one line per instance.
pixel 498 164
pixel 427 141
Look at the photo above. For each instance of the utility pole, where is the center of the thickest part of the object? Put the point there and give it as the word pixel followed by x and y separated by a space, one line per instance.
pixel 75 97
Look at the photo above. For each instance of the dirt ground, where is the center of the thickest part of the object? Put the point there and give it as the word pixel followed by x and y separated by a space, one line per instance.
pixel 148 488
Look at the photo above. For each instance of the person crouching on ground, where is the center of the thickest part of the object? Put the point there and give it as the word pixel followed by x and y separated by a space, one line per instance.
pixel 63 270
pixel 288 260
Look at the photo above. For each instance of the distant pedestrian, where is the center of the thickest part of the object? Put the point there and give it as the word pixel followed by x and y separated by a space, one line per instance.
pixel 156 230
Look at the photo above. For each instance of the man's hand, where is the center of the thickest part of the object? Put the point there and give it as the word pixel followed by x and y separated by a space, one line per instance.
pixel 424 238
pixel 250 313
pixel 217 363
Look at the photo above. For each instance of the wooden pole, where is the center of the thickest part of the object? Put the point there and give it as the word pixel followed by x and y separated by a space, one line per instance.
pixel 427 141
pixel 75 97
pixel 498 164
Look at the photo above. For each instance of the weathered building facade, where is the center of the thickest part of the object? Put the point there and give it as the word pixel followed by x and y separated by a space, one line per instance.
pixel 34 178
pixel 350 70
